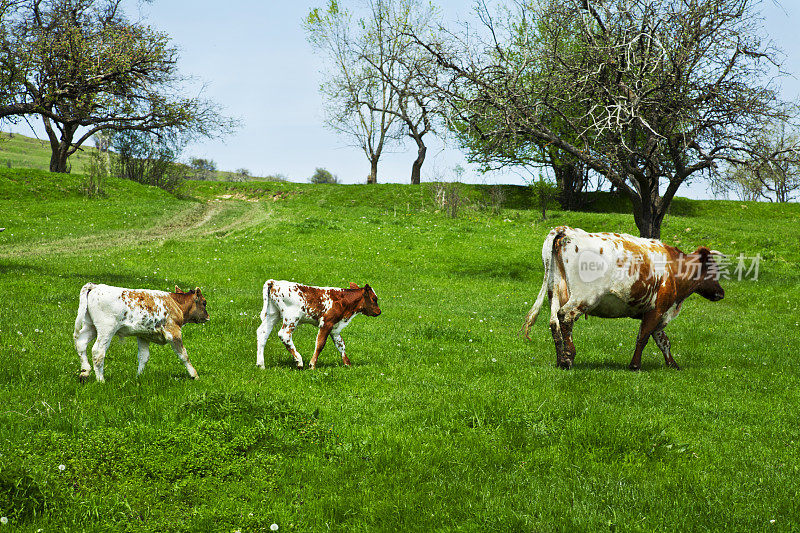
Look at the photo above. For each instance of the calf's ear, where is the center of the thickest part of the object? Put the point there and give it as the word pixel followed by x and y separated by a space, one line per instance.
pixel 353 285
pixel 178 290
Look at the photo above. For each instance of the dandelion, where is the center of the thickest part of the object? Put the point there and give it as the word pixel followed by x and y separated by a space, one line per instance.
pixel 3 520
pixel 61 468
pixel 494 360
pixel 274 527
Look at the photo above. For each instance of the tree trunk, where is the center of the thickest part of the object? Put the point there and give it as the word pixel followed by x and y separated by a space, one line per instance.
pixel 416 167
pixel 373 170
pixel 59 148
pixel 571 181
pixel 649 215
pixel 58 159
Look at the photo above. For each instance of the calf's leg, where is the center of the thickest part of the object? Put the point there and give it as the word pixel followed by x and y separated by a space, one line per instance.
pixel 180 351
pixel 99 352
pixel 82 340
pixel 663 343
pixel 322 338
pixel 339 342
pixel 144 354
pixel 263 333
pixel 285 333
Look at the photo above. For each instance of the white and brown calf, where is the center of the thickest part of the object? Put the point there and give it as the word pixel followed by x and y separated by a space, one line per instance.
pixel 150 316
pixel 328 308
pixel 615 275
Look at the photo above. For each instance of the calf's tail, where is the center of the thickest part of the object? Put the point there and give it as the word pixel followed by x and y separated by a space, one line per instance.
pixel 83 305
pixel 267 298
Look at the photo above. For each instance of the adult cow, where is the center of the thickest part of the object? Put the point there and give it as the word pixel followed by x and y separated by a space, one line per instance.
pixel 150 316
pixel 328 308
pixel 614 275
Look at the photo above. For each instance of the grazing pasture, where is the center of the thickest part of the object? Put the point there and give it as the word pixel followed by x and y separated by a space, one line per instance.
pixel 447 419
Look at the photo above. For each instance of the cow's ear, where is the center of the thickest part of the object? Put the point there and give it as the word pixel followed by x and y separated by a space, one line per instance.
pixel 367 287
pixel 178 290
pixel 197 292
pixel 353 285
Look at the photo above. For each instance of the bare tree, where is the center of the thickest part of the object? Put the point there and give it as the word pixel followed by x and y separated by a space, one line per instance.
pixel 647 93
pixel 358 98
pixel 410 73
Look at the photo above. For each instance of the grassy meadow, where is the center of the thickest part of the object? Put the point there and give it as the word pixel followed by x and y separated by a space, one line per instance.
pixel 447 420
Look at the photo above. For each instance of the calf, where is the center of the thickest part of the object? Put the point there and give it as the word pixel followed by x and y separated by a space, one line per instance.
pixel 615 275
pixel 328 308
pixel 150 316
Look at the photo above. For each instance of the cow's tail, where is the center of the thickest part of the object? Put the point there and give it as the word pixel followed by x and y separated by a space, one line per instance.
pixel 548 260
pixel 267 297
pixel 83 306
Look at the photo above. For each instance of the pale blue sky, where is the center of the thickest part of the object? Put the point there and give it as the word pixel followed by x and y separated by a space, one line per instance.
pixel 256 62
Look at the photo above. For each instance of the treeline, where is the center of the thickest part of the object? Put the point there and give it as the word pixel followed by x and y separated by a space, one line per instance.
pixel 637 96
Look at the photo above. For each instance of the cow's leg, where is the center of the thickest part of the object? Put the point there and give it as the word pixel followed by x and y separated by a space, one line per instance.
pixel 555 329
pixel 99 349
pixel 144 354
pixel 82 340
pixel 650 321
pixel 263 333
pixel 180 351
pixel 322 338
pixel 566 319
pixel 337 339
pixel 285 333
pixel 663 343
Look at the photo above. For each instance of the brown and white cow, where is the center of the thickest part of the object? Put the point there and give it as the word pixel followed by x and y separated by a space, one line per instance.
pixel 614 275
pixel 328 308
pixel 150 316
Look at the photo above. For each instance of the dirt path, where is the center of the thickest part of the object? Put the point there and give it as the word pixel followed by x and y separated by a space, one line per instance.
pixel 196 220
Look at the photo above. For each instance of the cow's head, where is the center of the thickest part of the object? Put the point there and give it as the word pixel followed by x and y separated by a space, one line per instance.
pixel 197 312
pixel 707 274
pixel 369 305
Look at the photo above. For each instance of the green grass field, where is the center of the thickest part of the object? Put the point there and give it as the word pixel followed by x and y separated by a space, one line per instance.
pixel 448 419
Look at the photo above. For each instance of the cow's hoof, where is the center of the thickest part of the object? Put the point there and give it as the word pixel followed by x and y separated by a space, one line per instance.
pixel 196 377
pixel 674 366
pixel 312 367
pixel 634 368
pixel 261 367
pixel 566 365
pixel 83 377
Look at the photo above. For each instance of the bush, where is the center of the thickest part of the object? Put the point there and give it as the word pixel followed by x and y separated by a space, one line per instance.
pixel 544 195
pixel 203 169
pixel 323 176
pixel 147 159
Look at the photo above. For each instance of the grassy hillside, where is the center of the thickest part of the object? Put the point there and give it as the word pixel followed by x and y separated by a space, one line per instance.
pixel 21 151
pixel 448 420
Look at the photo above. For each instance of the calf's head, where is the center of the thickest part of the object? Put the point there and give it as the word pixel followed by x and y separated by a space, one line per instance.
pixel 196 311
pixel 707 275
pixel 369 300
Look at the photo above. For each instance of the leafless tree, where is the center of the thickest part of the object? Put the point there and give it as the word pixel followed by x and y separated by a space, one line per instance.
pixel 410 73
pixel 648 93
pixel 358 99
